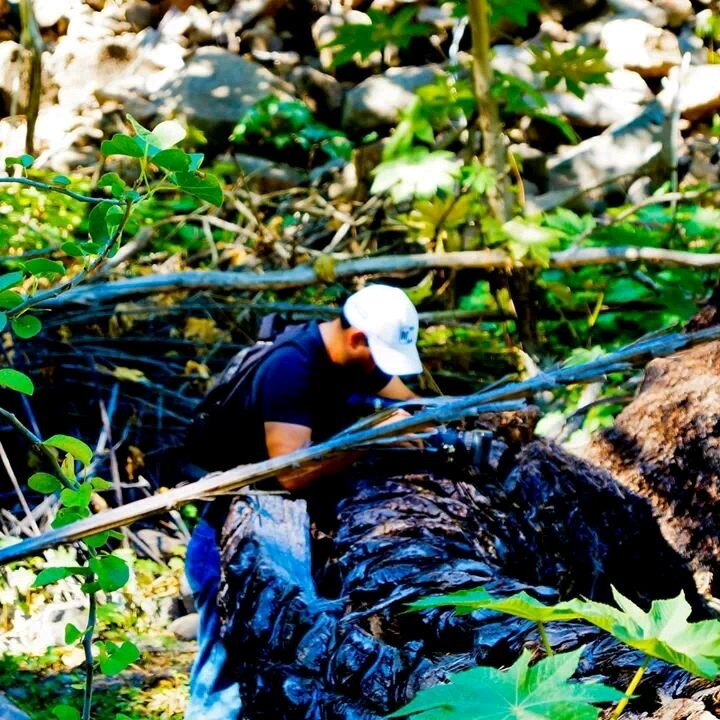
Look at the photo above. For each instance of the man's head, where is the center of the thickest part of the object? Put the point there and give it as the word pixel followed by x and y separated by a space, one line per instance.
pixel 380 327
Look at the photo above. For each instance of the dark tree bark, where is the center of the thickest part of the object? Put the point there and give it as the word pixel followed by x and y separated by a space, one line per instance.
pixel 326 637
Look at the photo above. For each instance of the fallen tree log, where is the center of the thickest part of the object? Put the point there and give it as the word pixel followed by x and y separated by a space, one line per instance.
pixel 637 511
pixel 303 275
pixel 335 643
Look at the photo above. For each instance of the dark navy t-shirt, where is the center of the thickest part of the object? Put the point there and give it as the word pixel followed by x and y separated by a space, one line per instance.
pixel 298 383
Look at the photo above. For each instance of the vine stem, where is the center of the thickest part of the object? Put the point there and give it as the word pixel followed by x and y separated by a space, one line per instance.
pixel 42 297
pixel 63 191
pixel 544 637
pixel 630 689
pixel 38 443
pixel 89 662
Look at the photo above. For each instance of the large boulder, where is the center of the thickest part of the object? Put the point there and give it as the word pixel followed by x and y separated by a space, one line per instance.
pixel 377 101
pixel 699 91
pixel 215 88
pixel 603 105
pixel 637 45
pixel 611 159
pixel 79 69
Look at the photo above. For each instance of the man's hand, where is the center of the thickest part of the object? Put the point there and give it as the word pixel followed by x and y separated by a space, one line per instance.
pixel 396 416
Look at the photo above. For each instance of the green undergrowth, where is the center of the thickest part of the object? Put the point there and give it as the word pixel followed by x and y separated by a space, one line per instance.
pixel 154 688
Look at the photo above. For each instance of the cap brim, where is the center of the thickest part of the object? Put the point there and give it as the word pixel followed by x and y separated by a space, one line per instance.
pixel 393 361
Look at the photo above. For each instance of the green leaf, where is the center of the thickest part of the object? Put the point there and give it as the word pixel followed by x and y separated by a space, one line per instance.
pixel 663 632
pixel 517 11
pixel 75 447
pixel 61 180
pixel 44 483
pixel 167 134
pixel 77 498
pixel 72 249
pixel 67 516
pixel 97 540
pixel 8 280
pixel 10 299
pixel 43 266
pixel 26 160
pixel 112 572
pixel 626 290
pixel 121 144
pixel 72 634
pixel 15 380
pixel 99 483
pixel 419 174
pixel 26 326
pixel 173 160
pixel 571 67
pixel 3 321
pixel 66 712
pixel 196 160
pixel 356 40
pixel 528 239
pixel 114 182
pixel 541 692
pixel 115 658
pixel 520 605
pixel 206 188
pixel 98 222
pixel 53 574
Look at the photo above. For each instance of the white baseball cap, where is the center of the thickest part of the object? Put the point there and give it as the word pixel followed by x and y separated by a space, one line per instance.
pixel 390 322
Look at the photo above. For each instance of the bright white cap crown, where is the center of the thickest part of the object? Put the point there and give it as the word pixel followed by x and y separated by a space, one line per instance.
pixel 390 322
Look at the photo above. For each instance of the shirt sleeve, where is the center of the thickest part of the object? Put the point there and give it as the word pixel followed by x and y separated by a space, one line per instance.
pixel 284 393
pixel 377 381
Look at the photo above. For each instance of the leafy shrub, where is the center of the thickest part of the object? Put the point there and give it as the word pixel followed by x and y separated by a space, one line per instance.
pixel 277 127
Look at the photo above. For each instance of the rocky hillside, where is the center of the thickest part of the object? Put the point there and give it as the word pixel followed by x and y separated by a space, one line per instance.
pixel 210 62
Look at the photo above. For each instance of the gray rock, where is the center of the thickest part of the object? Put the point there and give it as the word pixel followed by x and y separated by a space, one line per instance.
pixel 81 68
pixel 620 153
pixel 604 105
pixel 49 12
pixel 377 101
pixel 704 155
pixel 184 628
pixel 636 45
pixel 324 31
pixel 645 10
pixel 514 60
pixel 13 76
pixel 8 711
pixel 139 13
pixel 677 11
pixel 323 90
pixel 699 94
pixel 215 88
pixel 264 176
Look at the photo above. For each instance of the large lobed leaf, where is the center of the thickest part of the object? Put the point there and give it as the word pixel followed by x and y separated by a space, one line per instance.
pixel 662 632
pixel 541 692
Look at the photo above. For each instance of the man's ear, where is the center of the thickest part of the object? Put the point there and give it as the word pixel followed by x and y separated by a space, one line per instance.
pixel 357 339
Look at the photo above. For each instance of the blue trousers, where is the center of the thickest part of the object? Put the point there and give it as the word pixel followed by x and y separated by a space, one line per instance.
pixel 214 693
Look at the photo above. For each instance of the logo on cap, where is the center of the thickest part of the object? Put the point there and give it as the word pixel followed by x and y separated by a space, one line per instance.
pixel 406 335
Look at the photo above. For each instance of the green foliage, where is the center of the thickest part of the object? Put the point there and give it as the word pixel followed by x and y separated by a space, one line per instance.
pixel 419 174
pixel 73 446
pixel 542 692
pixel 15 380
pixel 289 125
pixel 571 68
pixel 520 605
pixel 662 632
pixel 355 42
pixel 518 11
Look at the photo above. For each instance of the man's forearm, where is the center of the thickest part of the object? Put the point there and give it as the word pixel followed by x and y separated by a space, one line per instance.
pixel 294 480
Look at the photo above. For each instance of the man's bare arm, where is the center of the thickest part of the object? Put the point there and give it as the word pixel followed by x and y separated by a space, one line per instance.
pixel 396 389
pixel 283 438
